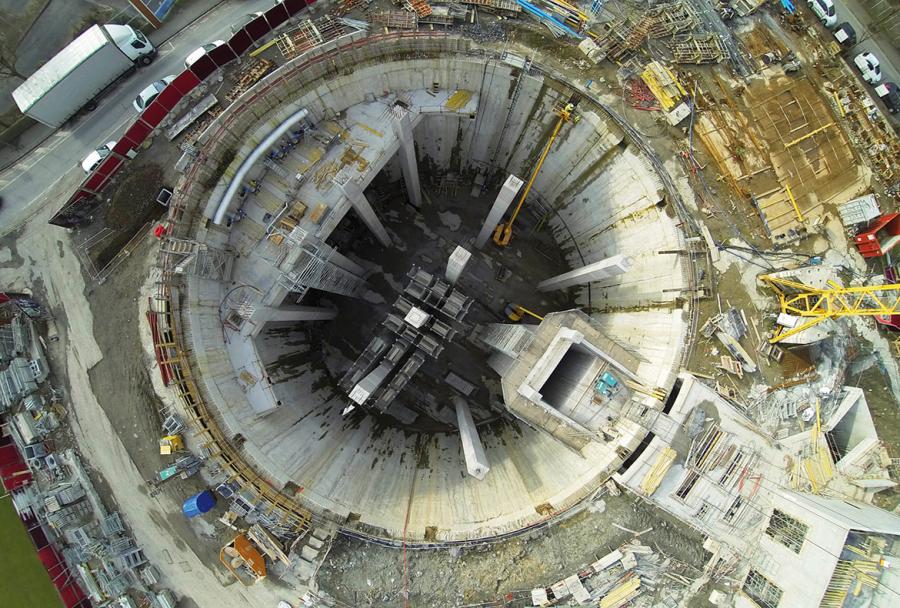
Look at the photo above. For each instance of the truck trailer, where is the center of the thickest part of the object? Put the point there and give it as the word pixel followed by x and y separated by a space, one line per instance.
pixel 73 78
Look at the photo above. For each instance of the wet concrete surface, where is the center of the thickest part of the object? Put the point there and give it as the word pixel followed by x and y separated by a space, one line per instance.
pixel 425 238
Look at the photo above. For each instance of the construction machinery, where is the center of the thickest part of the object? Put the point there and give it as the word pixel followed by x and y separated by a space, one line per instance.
pixel 243 560
pixel 170 444
pixel 503 232
pixel 515 313
pixel 813 305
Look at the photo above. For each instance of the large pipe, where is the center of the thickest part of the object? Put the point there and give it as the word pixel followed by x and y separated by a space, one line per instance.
pixel 251 159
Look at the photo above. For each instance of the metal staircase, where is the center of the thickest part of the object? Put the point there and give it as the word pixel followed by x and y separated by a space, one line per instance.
pixel 314 270
pixel 182 256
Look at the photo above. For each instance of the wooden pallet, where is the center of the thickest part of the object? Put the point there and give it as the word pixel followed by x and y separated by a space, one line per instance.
pixel 248 76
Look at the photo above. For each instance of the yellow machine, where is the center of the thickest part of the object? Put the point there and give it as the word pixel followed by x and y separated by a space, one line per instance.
pixel 170 444
pixel 815 305
pixel 514 313
pixel 503 232
pixel 664 85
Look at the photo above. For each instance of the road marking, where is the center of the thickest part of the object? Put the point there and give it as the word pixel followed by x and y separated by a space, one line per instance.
pixel 63 135
pixel 6 228
pixel 22 167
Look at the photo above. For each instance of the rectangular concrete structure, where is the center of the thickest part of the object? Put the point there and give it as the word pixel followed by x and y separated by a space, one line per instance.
pixel 456 264
pixel 407 153
pixel 363 208
pixel 477 464
pixel 550 378
pixel 281 314
pixel 501 204
pixel 604 269
pixel 599 201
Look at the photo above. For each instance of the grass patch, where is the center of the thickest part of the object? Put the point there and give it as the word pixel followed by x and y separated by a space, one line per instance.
pixel 23 580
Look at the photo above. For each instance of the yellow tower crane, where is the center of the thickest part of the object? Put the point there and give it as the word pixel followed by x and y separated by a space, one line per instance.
pixel 503 232
pixel 815 305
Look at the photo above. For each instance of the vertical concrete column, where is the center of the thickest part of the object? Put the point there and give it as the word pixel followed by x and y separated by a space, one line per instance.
pixel 456 264
pixel 604 269
pixel 407 154
pixel 271 314
pixel 501 204
pixel 476 461
pixel 357 198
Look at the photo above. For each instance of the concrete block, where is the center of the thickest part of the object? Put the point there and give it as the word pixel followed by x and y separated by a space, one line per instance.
pixel 477 464
pixel 501 204
pixel 456 264
pixel 597 271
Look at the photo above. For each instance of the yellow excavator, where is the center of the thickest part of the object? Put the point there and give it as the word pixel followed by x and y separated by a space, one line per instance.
pixel 503 232
pixel 515 313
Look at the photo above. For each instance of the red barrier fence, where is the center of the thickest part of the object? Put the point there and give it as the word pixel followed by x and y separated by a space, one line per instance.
pixel 79 206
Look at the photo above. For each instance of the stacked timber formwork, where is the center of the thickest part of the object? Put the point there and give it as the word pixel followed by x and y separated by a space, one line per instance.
pixel 697 49
pixel 670 18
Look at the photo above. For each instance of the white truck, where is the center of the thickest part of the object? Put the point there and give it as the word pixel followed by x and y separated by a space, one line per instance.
pixel 72 78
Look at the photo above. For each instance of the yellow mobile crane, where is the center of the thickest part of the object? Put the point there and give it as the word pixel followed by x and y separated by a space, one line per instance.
pixel 503 232
pixel 515 312
pixel 815 305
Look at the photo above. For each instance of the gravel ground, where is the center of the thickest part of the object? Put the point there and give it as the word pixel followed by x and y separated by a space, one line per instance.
pixel 363 574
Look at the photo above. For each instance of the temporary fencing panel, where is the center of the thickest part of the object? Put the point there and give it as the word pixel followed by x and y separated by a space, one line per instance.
pixel 203 67
pixel 276 15
pixel 94 182
pixel 257 28
pixel 169 97
pixel 137 133
pixel 78 207
pixel 153 114
pixel 185 82
pixel 240 42
pixel 109 165
pixel 222 55
pixel 123 147
pixel 295 6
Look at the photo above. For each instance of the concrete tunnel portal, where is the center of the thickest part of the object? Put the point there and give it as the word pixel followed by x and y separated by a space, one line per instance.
pixel 337 234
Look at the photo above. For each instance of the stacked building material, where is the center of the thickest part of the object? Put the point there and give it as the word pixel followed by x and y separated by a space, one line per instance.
pixel 698 49
pixel 398 20
pixel 420 7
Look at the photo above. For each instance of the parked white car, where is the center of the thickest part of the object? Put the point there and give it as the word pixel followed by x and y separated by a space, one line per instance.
pixel 824 10
pixel 93 159
pixel 196 54
pixel 146 97
pixel 869 67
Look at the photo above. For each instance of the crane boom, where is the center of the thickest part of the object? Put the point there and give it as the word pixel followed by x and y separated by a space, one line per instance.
pixel 815 305
pixel 503 232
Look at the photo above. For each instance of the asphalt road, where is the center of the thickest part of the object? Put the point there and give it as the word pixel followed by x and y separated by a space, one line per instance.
pixel 23 186
pixel 885 52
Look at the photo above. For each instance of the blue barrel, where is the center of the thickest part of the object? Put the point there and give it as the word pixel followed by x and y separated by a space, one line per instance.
pixel 199 504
